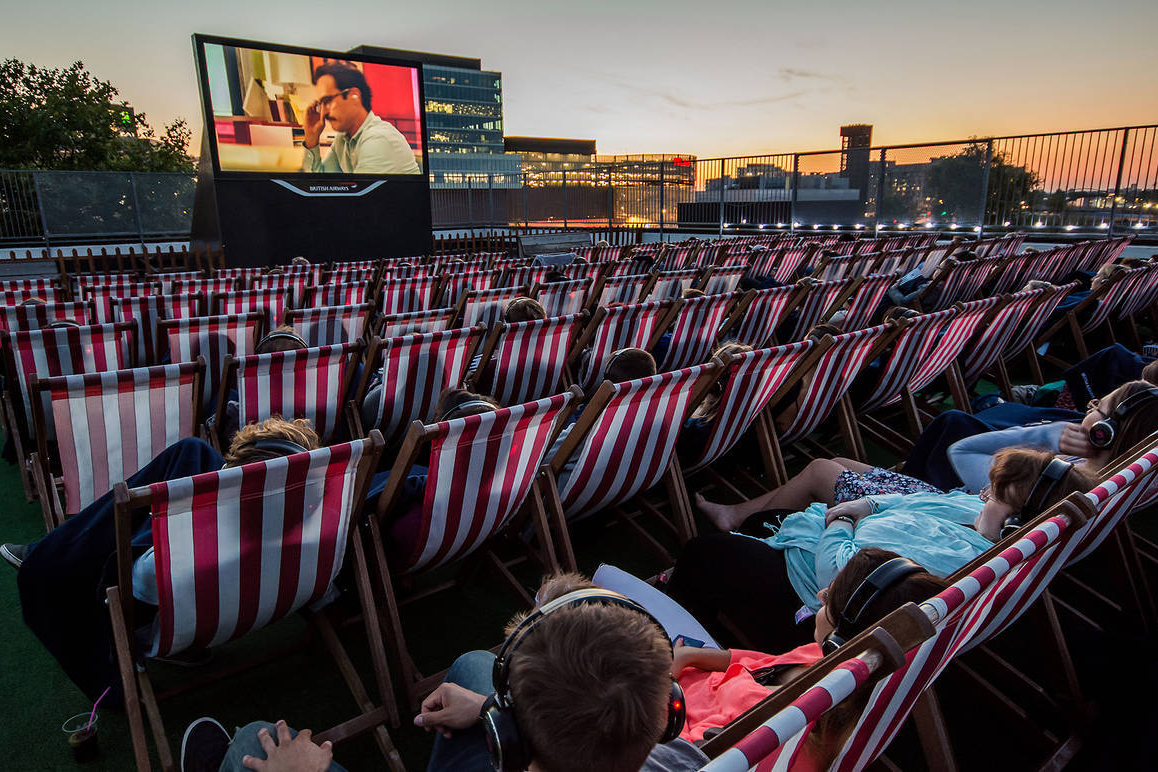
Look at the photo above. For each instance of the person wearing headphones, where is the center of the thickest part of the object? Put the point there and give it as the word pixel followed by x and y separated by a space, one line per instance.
pixel 365 144
pixel 61 578
pixel 282 338
pixel 581 683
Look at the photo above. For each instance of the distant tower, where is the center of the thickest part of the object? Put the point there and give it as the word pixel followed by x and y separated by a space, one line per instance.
pixel 855 141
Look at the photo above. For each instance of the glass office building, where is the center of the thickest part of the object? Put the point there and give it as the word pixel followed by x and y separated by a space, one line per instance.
pixel 464 120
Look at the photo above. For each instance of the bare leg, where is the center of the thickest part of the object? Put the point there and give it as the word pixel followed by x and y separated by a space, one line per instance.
pixel 815 483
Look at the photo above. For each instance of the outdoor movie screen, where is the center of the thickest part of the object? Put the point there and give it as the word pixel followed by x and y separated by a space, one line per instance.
pixel 288 111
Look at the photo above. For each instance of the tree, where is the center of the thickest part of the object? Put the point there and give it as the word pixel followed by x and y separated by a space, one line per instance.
pixel 68 119
pixel 953 184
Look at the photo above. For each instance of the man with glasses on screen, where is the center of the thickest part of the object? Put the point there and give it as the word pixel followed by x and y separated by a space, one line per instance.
pixel 365 144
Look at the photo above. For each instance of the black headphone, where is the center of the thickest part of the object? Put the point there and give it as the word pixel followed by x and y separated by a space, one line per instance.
pixel 1045 485
pixel 882 578
pixel 449 414
pixel 1102 433
pixel 281 335
pixel 508 749
pixel 276 445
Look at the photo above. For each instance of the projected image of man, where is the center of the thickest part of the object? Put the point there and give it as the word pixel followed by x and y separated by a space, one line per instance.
pixel 365 143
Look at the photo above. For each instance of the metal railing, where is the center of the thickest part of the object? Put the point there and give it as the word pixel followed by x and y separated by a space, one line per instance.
pixel 1102 181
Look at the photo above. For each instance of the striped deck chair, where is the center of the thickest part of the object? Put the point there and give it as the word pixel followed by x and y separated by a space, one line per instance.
pixel 485 307
pixel 847 266
pixel 47 353
pixel 84 281
pixel 349 294
pixel 271 304
pixel 14 297
pixel 102 296
pixel 865 301
pixel 783 265
pixel 33 316
pixel 312 272
pixel 619 289
pixel 455 265
pixel 619 268
pixel 959 283
pixel 146 312
pixel 280 532
pixel 330 325
pixel 695 329
pixel 819 301
pixel 401 296
pixel 750 381
pixel 415 369
pixel 674 257
pixel 832 375
pixel 523 276
pixel 991 341
pixel 759 313
pixel 341 266
pixel 206 287
pixel 307 383
pixel 435 320
pixel 622 445
pixel 481 471
pixel 524 361
pixel 1014 272
pixel 343 275
pixel 214 338
pixel 563 297
pixel 631 326
pixel 1086 317
pixel 107 426
pixel 456 285
pixel 31 285
pixel 669 285
pixel 724 279
pixel 1021 343
pixel 169 279
pixel 244 274
pixel 282 282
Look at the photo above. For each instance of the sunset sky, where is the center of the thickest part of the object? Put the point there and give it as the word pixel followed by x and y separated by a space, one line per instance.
pixel 735 77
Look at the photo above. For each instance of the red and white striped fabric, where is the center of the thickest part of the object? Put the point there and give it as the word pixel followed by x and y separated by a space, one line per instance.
pixel 456 285
pixel 14 297
pixel 752 378
pixel 452 265
pixel 962 283
pixel 271 304
pixel 620 268
pixel 33 316
pixel 676 257
pixel 435 320
pixel 669 285
pixel 781 264
pixel 109 425
pixel 206 287
pixel 57 351
pixel 169 279
pixel 631 443
pixel 146 312
pixel 212 337
pixel 415 370
pixel 820 302
pixel 831 378
pixel 845 266
pixel 486 307
pixel 101 296
pixel 350 266
pixel 1140 294
pixel 694 332
pixel 1035 319
pixel 349 294
pixel 563 297
pixel 621 289
pixel 632 326
pixel 524 276
pixel 530 358
pixel 724 279
pixel 31 285
pixel 1113 299
pixel 84 281
pixel 958 332
pixel 303 383
pixel 238 273
pixel 481 470
pixel 504 263
pixel 342 275
pixel 767 309
pixel 242 547
pixel 330 325
pixel 313 272
pixel 401 296
pixel 988 345
pixel 910 350
pixel 776 744
pixel 1012 271
pixel 865 301
pixel 292 282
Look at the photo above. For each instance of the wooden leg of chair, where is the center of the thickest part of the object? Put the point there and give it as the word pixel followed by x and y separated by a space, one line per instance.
pixel 912 413
pixel 1034 365
pixel 677 494
pixel 933 735
pixel 849 429
pixel 770 449
pixel 387 615
pixel 128 680
pixel 505 574
pixel 958 388
pixel 51 519
pixel 542 530
pixel 548 493
pixel 1079 338
pixel 153 711
pixel 1003 382
pixel 1059 649
pixel 1143 599
pixel 374 633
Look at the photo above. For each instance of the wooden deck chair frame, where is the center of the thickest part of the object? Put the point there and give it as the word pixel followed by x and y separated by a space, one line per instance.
pixel 735 321
pixel 49 485
pixel 467 295
pixel 447 314
pixel 592 328
pixel 681 521
pixel 1071 322
pixel 597 290
pixel 418 436
pixel 138 687
pixel 293 315
pixel 491 343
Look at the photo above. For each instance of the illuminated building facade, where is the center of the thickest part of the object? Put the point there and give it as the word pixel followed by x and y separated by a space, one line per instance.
pixel 464 120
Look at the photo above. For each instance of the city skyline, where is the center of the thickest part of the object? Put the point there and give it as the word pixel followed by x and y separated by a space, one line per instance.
pixel 647 78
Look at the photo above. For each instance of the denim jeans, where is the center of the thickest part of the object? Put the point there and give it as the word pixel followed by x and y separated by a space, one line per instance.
pixel 245 743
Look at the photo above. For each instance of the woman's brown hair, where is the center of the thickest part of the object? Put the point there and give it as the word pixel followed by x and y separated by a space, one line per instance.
pixel 1015 471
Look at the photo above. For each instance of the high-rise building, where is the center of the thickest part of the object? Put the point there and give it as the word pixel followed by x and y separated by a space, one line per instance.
pixel 464 120
pixel 855 141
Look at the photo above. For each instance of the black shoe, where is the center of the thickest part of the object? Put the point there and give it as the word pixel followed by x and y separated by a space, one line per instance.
pixel 204 745
pixel 14 554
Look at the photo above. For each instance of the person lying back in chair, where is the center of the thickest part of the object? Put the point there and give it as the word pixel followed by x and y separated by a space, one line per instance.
pixel 581 683
pixel 61 578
